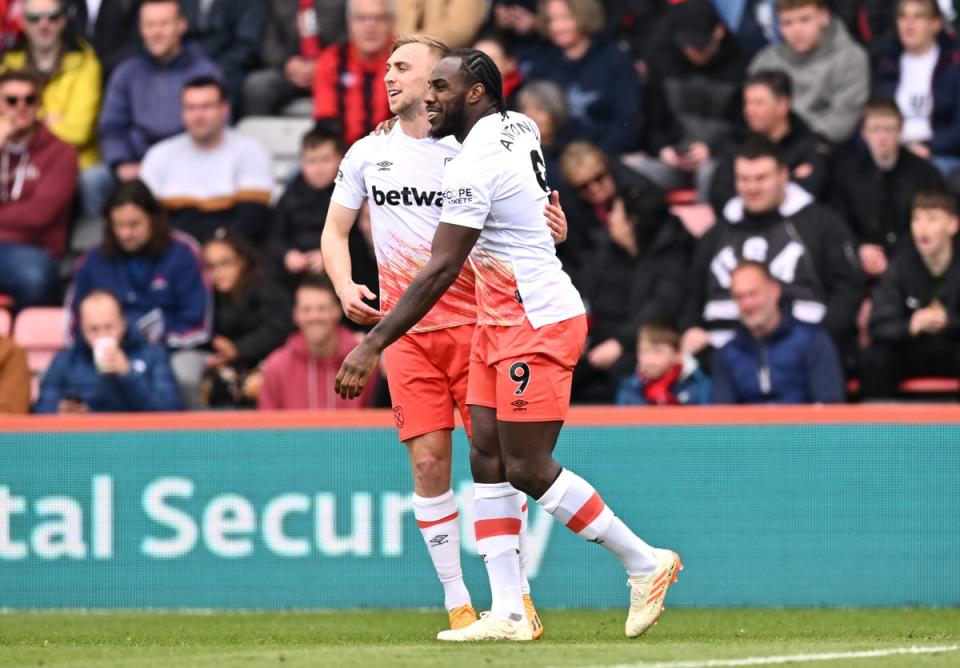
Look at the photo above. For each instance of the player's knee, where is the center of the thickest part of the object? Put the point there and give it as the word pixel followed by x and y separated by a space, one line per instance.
pixel 522 476
pixel 431 470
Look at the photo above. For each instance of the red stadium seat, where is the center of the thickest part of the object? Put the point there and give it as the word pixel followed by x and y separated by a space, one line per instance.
pixel 686 196
pixel 41 332
pixel 917 386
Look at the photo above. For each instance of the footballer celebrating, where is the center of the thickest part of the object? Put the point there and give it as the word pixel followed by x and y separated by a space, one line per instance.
pixel 399 173
pixel 530 332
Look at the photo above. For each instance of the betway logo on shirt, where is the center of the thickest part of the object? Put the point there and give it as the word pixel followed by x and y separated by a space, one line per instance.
pixel 407 196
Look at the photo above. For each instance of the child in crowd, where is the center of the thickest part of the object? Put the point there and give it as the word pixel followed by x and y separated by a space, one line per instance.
pixel 664 376
pixel 293 246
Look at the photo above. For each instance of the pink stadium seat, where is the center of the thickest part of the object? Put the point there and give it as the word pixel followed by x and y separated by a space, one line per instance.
pixel 5 322
pixel 41 332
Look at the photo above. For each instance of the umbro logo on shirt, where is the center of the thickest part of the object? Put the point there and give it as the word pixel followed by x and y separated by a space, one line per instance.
pixel 384 166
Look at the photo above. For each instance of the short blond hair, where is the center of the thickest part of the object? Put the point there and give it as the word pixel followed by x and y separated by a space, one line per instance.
pixel 577 153
pixel 435 44
pixel 587 14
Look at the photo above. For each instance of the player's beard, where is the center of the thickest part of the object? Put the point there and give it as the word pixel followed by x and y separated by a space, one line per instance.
pixel 453 120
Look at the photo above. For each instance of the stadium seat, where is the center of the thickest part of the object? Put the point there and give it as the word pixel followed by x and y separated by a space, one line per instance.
pixel 41 332
pixel 5 322
pixel 282 136
pixel 684 196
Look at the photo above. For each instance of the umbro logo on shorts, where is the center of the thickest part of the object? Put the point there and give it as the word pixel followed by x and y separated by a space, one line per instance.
pixel 398 415
pixel 519 405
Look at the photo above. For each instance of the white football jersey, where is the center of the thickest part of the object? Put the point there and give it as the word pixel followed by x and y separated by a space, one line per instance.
pixel 400 177
pixel 498 185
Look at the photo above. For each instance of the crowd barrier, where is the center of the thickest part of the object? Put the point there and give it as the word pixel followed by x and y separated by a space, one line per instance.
pixel 850 506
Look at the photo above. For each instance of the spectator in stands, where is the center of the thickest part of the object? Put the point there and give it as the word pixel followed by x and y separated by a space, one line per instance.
pixel 210 176
pixel 111 27
pixel 830 72
pixel 767 96
pixel 38 177
pixel 14 378
pixel 664 376
pixel 71 74
pixel 806 246
pixel 692 97
pixel 300 375
pixel 773 358
pixel 602 86
pixel 110 369
pixel 142 102
pixel 501 53
pixel 252 319
pixel 751 21
pixel 295 33
pixel 920 68
pixel 156 275
pixel 456 22
pixel 293 245
pixel 154 272
pixel 544 102
pixel 873 188
pixel 348 91
pixel 231 34
pixel 11 23
pixel 598 189
pixel 634 272
pixel 915 321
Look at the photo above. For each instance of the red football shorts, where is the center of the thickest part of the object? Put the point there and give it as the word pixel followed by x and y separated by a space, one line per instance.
pixel 526 373
pixel 427 376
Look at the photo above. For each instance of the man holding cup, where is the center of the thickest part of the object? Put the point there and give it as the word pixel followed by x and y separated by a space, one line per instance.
pixel 109 368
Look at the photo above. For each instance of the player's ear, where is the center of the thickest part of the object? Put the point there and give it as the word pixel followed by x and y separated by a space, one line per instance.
pixel 476 93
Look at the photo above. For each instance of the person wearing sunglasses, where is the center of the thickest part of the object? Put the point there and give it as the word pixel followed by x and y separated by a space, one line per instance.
pixel 633 273
pixel 71 73
pixel 38 176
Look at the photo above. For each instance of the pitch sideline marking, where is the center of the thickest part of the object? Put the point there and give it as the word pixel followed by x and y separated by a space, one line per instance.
pixel 795 658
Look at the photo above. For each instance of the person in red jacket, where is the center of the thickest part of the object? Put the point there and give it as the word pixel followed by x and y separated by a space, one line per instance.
pixel 348 92
pixel 38 179
pixel 299 376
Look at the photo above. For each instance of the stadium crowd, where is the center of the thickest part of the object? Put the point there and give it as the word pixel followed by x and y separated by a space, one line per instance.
pixel 760 193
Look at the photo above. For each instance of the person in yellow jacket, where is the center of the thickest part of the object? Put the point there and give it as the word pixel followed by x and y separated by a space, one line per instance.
pixel 71 72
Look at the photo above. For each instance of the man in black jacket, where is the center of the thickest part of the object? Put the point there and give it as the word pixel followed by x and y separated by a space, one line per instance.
pixel 113 31
pixel 292 39
pixel 231 33
pixel 693 97
pixel 767 96
pixel 873 189
pixel 806 246
pixel 915 322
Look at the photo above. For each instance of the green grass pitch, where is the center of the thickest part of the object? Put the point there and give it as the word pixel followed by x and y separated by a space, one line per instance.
pixel 405 638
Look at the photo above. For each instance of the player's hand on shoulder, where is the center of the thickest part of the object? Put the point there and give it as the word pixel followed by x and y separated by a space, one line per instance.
pixel 556 219
pixel 385 127
pixel 351 300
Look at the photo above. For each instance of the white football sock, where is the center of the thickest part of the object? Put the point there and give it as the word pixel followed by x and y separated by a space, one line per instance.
pixel 497 521
pixel 439 523
pixel 524 541
pixel 576 504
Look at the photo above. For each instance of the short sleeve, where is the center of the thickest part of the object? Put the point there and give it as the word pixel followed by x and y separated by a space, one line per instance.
pixel 466 195
pixel 351 189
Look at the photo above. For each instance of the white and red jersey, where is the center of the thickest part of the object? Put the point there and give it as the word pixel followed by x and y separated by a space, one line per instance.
pixel 400 177
pixel 498 185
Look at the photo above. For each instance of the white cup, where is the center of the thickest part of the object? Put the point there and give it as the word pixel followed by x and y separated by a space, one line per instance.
pixel 100 348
